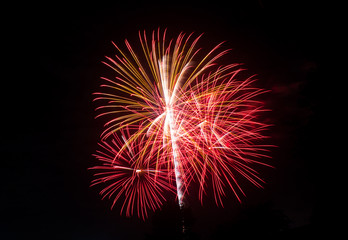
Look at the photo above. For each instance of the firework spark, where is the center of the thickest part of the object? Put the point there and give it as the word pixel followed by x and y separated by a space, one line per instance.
pixel 176 118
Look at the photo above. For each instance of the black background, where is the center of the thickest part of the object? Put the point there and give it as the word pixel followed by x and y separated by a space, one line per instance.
pixel 49 131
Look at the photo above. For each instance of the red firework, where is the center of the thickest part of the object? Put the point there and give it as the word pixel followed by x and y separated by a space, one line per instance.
pixel 177 120
pixel 130 176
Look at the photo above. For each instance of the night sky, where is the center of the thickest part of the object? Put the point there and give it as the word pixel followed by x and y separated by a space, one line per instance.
pixel 49 132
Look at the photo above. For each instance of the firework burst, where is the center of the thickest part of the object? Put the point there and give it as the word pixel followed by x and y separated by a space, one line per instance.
pixel 130 176
pixel 176 118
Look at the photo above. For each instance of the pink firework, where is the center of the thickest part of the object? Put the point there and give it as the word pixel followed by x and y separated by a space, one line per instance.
pixel 177 119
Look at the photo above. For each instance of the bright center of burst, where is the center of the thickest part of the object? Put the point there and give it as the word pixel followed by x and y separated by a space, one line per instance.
pixel 138 171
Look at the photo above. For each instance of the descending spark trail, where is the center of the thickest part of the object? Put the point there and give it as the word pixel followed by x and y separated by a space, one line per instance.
pixel 175 120
pixel 169 122
pixel 177 165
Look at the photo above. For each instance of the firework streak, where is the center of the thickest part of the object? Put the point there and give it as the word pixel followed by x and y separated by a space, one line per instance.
pixel 175 118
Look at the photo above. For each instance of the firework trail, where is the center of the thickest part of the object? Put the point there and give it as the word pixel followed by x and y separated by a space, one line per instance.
pixel 176 117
